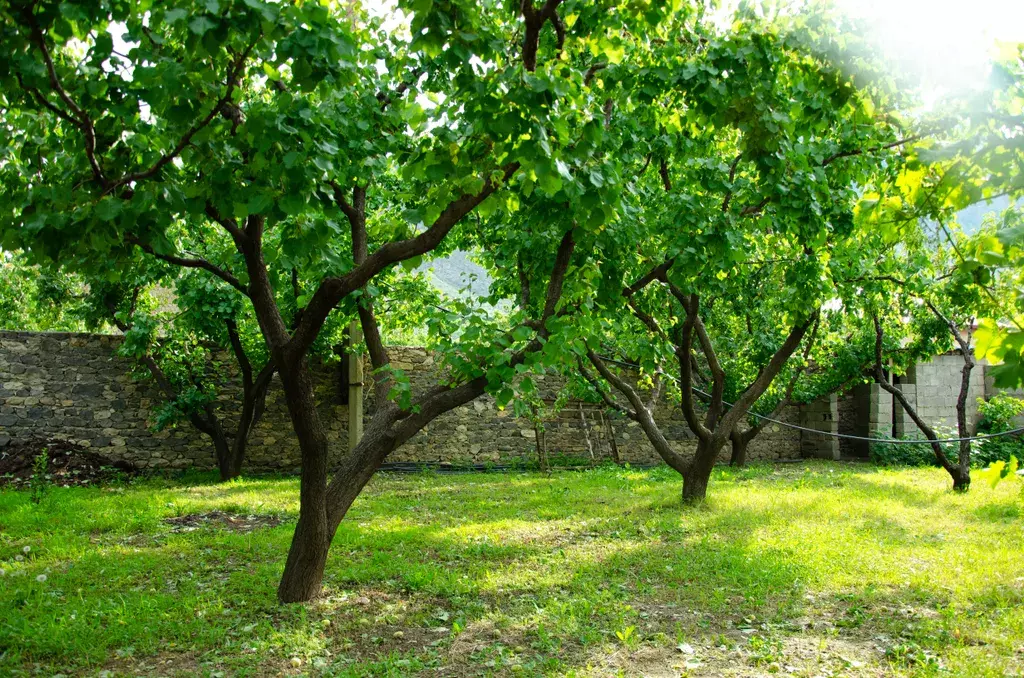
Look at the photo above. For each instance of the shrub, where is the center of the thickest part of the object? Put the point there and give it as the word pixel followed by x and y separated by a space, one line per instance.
pixel 912 454
pixel 997 415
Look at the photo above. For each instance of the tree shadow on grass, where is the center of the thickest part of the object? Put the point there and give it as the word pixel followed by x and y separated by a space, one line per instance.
pixel 554 567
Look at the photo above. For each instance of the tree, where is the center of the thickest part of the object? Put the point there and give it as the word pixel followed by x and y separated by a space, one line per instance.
pixel 976 155
pixel 177 347
pixel 977 159
pixel 762 146
pixel 236 138
pixel 36 298
pixel 942 298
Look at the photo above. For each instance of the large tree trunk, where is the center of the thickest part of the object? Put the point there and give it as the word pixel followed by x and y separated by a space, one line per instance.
pixel 307 557
pixel 695 486
pixel 961 478
pixel 697 476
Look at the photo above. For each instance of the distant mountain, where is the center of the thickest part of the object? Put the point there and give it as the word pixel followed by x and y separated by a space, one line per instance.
pixel 971 218
pixel 453 273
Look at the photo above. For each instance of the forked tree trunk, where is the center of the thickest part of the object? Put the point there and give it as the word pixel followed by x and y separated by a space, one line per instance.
pixel 959 471
pixel 697 476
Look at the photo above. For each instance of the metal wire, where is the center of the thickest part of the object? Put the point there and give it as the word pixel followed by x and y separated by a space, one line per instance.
pixel 845 436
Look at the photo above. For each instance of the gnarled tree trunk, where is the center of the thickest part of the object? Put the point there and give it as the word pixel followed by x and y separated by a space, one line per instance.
pixel 307 557
pixel 959 471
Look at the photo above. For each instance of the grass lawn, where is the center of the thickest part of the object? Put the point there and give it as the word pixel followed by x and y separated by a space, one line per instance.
pixel 809 570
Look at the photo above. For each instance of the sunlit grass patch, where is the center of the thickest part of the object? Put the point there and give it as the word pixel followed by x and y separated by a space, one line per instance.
pixel 806 569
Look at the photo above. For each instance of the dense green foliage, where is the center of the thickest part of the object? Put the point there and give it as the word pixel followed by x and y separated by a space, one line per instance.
pixel 639 177
pixel 38 298
pixel 1000 413
pixel 912 454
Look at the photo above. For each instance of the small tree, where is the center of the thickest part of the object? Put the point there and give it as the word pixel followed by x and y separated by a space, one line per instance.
pixel 748 213
pixel 178 348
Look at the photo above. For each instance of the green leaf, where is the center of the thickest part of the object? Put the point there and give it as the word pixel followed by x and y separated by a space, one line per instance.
pixel 175 15
pixel 200 24
pixel 108 209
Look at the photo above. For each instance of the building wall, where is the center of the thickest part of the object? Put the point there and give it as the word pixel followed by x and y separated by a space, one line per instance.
pixel 935 387
pixel 931 388
pixel 76 387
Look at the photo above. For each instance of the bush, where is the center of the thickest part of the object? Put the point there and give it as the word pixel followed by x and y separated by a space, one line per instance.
pixel 912 454
pixel 997 415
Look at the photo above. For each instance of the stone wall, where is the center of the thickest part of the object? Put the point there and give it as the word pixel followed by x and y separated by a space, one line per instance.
pixel 821 415
pixel 847 411
pixel 76 387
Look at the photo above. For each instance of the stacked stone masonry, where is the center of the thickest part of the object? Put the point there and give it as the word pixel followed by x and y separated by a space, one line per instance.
pixel 76 387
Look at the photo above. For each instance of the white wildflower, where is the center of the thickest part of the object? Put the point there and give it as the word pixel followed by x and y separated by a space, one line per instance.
pixel 3 572
pixel 27 549
pixel 41 578
pixel 19 558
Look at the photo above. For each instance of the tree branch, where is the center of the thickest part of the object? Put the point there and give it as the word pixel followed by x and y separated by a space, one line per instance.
pixel 386 99
pixel 191 263
pixel 332 290
pixel 594 68
pixel 535 20
pixel 717 373
pixel 765 377
pixel 84 122
pixel 608 399
pixel 657 273
pixel 233 75
pixel 236 346
pixel 928 431
pixel 873 149
pixel 562 258
pixel 732 176
pixel 644 416
pixel 524 284
pixel 684 356
pixel 663 171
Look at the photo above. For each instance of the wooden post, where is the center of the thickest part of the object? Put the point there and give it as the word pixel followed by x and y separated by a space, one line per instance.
pixel 355 386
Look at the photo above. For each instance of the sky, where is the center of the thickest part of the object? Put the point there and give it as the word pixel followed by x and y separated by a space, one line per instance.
pixel 949 43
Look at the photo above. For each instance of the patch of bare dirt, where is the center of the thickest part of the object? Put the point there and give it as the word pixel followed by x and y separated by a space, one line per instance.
pixel 232 521
pixel 797 655
pixel 184 665
pixel 67 464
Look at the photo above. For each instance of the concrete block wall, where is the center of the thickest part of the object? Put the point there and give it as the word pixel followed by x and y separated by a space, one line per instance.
pixel 848 423
pixel 821 415
pixel 903 425
pixel 937 385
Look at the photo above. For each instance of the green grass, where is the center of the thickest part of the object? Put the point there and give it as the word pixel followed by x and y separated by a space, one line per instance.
pixel 816 569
